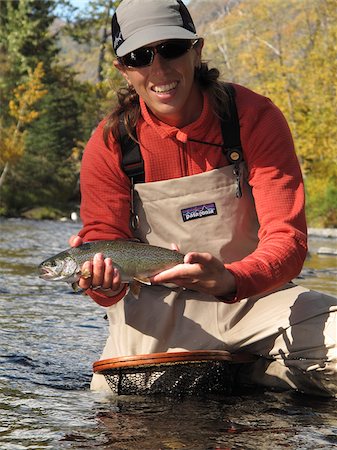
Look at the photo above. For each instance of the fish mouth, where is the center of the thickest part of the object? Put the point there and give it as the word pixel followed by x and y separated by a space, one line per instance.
pixel 46 273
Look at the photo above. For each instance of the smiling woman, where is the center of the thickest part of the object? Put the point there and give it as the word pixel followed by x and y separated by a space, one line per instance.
pixel 232 290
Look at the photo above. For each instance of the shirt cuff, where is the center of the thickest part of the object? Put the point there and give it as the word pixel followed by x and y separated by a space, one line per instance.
pixel 103 300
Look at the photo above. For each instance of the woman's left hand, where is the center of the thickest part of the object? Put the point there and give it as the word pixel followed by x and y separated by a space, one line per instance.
pixel 200 272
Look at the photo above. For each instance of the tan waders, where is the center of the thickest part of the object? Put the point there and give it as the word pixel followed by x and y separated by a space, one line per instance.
pixel 292 329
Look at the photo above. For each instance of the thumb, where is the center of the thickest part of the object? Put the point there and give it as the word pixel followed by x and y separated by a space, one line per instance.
pixel 195 257
pixel 75 241
pixel 175 247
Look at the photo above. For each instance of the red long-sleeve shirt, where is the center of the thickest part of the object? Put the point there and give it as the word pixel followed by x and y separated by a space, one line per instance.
pixel 274 175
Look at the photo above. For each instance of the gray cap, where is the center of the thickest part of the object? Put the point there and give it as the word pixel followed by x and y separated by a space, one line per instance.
pixel 140 22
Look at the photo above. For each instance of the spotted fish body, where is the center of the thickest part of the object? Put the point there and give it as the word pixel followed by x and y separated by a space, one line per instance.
pixel 134 260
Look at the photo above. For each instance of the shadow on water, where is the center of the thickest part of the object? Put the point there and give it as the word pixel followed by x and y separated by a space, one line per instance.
pixel 50 337
pixel 249 420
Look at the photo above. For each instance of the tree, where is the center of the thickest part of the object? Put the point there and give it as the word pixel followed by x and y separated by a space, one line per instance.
pixel 286 50
pixel 93 26
pixel 25 96
pixel 47 172
pixel 24 42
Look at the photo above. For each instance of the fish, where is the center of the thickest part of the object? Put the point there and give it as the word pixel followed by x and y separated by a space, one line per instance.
pixel 136 261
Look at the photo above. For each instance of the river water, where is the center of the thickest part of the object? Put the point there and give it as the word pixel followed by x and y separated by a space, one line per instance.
pixel 50 337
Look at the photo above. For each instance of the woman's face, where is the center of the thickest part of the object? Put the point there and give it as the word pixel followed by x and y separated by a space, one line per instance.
pixel 167 86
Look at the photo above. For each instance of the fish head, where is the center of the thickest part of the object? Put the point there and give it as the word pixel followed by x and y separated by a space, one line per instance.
pixel 61 267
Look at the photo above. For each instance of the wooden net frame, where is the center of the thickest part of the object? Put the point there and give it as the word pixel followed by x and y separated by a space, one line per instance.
pixel 197 372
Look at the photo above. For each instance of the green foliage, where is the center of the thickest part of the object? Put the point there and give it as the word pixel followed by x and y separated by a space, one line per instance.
pixel 47 173
pixel 22 112
pixel 322 202
pixel 24 40
pixel 48 166
pixel 94 27
pixel 43 213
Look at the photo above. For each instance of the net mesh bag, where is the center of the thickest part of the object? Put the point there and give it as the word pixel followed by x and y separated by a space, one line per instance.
pixel 195 373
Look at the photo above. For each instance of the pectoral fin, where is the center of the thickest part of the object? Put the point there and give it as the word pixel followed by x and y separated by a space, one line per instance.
pixel 136 285
pixel 75 286
pixel 143 280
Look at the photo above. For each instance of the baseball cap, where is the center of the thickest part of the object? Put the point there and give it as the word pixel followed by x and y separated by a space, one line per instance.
pixel 140 22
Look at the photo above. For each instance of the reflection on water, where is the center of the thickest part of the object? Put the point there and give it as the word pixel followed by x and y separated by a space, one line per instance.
pixel 50 337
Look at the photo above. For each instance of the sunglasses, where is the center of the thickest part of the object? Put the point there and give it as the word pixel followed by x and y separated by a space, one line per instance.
pixel 144 56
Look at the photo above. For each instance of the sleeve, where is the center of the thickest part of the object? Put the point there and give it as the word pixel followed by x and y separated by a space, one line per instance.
pixel 277 186
pixel 105 198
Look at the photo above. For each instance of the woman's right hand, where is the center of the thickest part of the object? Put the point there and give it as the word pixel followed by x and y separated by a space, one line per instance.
pixel 100 274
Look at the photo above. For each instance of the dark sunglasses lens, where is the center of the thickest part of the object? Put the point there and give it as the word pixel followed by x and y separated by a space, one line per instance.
pixel 144 56
pixel 173 49
pixel 138 58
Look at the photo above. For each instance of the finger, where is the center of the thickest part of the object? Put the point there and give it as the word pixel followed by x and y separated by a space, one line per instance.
pixel 117 280
pixel 85 280
pixel 195 257
pixel 75 241
pixel 180 271
pixel 98 267
pixel 175 247
pixel 108 274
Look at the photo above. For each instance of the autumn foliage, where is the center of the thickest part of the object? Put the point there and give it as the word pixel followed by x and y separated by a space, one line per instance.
pixel 22 112
pixel 286 50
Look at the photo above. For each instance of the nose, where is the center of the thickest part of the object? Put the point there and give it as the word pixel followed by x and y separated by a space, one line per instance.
pixel 158 62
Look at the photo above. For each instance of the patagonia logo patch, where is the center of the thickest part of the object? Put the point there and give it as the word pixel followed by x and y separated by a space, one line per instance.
pixel 197 212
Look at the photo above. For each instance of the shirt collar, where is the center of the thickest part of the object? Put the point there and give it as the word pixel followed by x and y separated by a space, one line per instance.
pixel 193 130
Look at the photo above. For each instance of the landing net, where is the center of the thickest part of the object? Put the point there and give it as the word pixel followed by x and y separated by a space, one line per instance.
pixel 195 373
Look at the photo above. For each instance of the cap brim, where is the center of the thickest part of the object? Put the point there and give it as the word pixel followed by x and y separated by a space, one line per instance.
pixel 150 35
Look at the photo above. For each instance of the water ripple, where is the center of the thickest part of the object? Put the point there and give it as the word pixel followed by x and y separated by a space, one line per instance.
pixel 50 337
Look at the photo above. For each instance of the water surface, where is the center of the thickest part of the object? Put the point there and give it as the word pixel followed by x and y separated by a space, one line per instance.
pixel 50 336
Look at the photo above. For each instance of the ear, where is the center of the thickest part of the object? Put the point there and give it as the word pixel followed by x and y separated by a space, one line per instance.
pixel 200 44
pixel 122 69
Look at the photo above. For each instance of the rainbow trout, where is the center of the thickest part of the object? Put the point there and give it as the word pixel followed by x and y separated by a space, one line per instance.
pixel 134 260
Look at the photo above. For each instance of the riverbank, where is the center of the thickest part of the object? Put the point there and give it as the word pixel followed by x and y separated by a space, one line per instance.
pixel 330 233
pixel 73 216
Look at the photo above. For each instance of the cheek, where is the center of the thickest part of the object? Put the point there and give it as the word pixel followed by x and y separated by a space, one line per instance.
pixel 190 66
pixel 135 78
pixel 188 72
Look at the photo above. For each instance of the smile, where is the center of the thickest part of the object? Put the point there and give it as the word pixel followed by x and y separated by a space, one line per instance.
pixel 164 88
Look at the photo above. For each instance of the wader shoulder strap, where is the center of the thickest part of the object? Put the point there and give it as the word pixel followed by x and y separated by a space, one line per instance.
pixel 132 160
pixel 230 129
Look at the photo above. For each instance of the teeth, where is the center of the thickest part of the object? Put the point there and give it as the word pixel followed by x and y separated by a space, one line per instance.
pixel 165 87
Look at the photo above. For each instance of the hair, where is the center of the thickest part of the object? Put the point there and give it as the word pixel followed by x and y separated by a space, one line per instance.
pixel 128 103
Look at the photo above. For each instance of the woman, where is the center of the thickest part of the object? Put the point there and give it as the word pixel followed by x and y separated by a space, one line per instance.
pixel 233 291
